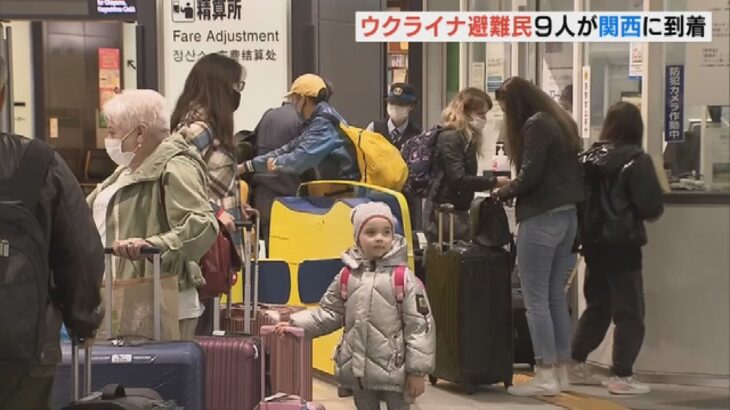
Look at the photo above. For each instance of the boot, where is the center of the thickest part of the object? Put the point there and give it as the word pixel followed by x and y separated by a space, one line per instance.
pixel 545 383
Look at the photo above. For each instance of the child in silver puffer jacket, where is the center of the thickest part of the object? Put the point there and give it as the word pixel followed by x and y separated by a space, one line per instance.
pixel 389 342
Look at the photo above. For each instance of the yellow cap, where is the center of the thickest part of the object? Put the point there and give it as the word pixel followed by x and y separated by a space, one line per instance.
pixel 307 85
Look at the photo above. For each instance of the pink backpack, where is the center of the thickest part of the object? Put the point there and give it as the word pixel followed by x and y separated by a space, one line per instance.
pixel 399 285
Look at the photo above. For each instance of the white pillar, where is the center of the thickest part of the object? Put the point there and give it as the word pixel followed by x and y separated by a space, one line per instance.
pixel 578 50
pixel 652 83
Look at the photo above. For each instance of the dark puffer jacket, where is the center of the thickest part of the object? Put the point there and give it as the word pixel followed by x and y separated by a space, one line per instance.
pixel 623 192
pixel 550 175
pixel 454 173
pixel 75 256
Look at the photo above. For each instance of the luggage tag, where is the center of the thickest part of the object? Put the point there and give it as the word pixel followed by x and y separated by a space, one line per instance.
pixel 422 241
pixel 422 308
pixel 422 305
pixel 262 249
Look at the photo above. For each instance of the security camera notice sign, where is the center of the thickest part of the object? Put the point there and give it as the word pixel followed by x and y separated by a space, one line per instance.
pixel 254 33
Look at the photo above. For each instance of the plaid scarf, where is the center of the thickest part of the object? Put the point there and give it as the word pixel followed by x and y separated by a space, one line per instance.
pixel 223 186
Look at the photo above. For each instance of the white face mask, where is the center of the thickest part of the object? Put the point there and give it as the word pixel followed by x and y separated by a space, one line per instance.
pixel 114 149
pixel 477 123
pixel 398 113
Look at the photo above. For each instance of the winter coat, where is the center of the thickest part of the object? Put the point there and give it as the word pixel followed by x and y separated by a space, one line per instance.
pixel 381 343
pixel 320 148
pixel 220 163
pixel 623 192
pixel 550 175
pixel 75 255
pixel 455 171
pixel 183 229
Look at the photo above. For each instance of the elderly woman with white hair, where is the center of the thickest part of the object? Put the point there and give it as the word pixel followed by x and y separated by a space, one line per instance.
pixel 157 196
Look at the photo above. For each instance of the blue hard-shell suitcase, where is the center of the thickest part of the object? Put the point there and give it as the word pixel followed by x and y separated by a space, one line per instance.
pixel 175 370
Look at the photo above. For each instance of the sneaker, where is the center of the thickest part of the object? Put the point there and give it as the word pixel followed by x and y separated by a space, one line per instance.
pixel 543 384
pixel 563 376
pixel 581 374
pixel 627 386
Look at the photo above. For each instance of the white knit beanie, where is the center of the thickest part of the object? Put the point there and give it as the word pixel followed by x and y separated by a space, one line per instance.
pixel 362 213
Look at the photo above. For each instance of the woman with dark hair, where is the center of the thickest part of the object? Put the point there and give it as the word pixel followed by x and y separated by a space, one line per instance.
pixel 543 144
pixel 455 179
pixel 203 115
pixel 623 193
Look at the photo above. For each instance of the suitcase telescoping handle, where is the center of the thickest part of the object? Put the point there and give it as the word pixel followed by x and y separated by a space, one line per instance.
pixel 75 382
pixel 297 333
pixel 448 209
pixel 156 292
pixel 249 261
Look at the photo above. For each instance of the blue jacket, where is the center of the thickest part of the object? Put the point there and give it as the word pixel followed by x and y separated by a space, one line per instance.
pixel 321 147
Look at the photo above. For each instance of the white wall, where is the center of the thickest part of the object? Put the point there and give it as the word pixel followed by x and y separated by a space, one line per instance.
pixel 267 80
pixel 434 69
pixel 129 50
pixel 686 283
pixel 22 82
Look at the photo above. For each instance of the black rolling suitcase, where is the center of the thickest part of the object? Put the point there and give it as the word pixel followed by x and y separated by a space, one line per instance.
pixel 420 244
pixel 524 353
pixel 471 302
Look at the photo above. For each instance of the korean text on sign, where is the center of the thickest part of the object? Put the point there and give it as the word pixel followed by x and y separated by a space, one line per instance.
pixel 686 26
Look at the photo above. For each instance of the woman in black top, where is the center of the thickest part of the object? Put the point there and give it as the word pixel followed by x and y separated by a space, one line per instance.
pixel 543 144
pixel 623 192
pixel 454 170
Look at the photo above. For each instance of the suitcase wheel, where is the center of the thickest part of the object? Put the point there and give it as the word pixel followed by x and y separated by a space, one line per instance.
pixel 470 389
pixel 433 380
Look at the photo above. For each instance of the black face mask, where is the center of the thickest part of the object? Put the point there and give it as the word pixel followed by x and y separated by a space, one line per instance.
pixel 236 99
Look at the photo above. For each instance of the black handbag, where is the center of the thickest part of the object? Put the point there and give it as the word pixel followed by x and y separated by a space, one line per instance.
pixel 489 225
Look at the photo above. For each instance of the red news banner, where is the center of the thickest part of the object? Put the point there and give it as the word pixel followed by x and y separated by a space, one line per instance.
pixel 685 26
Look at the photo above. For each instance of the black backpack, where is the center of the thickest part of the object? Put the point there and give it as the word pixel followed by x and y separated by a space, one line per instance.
pixel 24 268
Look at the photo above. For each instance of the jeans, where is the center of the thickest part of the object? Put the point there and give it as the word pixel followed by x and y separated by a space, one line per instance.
pixel 544 244
pixel 370 400
pixel 616 295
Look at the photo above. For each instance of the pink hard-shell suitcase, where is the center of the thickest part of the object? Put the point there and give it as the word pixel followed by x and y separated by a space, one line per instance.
pixel 284 401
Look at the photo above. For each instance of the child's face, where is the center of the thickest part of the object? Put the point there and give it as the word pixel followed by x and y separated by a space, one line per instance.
pixel 376 238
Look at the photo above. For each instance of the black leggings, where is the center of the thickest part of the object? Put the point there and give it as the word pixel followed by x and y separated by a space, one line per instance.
pixel 618 296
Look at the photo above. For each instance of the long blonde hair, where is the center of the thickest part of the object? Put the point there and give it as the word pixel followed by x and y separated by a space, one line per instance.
pixel 457 113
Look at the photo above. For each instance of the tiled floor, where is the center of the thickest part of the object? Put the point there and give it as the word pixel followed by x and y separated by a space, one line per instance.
pixel 444 396
pixel 671 397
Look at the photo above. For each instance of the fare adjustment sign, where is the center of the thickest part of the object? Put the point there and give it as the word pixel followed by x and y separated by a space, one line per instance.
pixel 254 33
